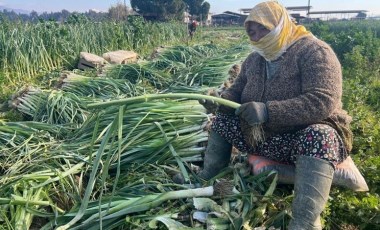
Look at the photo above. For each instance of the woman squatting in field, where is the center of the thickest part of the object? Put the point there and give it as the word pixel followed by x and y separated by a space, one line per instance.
pixel 290 88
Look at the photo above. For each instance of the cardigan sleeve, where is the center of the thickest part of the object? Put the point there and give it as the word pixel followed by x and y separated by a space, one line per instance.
pixel 234 92
pixel 321 91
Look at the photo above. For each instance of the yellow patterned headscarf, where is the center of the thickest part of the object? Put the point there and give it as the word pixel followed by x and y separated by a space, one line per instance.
pixel 283 32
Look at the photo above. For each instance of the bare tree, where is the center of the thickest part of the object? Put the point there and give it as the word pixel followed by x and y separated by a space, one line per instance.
pixel 119 12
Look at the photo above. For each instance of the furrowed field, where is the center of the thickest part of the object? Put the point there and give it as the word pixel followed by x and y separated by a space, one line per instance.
pixel 97 149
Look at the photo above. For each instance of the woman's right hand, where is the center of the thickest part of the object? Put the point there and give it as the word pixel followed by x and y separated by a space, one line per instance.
pixel 210 105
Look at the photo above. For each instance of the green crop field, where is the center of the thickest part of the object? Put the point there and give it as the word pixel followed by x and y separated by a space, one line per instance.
pixel 97 149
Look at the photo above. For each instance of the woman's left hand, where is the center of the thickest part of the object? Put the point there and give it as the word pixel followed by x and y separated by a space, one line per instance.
pixel 254 113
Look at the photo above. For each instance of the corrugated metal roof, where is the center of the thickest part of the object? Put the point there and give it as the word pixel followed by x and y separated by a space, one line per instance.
pixel 290 8
pixel 339 12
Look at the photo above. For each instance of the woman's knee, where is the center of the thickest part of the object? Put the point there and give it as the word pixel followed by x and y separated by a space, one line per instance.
pixel 321 141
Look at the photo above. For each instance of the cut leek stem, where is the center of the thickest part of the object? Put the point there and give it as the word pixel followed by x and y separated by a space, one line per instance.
pixel 149 97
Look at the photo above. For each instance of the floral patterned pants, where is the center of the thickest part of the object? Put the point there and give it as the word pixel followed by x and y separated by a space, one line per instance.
pixel 317 140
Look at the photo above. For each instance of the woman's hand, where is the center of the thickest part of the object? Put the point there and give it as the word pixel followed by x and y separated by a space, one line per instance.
pixel 210 105
pixel 254 113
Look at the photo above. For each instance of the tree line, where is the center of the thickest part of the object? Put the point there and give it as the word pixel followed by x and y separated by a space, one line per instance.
pixel 163 10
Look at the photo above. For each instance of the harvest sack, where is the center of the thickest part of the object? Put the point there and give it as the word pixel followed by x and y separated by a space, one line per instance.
pixel 90 61
pixel 346 173
pixel 120 57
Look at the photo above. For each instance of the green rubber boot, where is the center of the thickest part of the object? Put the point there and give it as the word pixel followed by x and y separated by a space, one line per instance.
pixel 311 190
pixel 217 157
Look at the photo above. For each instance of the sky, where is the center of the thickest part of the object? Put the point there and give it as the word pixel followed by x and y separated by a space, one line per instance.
pixel 217 6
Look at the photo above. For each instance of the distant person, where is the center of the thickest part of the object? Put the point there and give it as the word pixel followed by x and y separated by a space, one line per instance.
pixel 192 27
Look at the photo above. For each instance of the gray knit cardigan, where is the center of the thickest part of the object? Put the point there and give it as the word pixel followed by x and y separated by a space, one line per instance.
pixel 306 89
